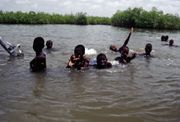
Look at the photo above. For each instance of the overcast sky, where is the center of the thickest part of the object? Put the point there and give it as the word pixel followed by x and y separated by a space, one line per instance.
pixel 91 7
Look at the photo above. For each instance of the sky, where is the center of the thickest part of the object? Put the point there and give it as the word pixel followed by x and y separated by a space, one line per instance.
pixel 105 8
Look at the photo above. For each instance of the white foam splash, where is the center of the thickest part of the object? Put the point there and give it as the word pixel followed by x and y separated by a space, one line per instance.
pixel 131 51
pixel 90 51
pixel 93 62
pixel 170 61
pixel 114 62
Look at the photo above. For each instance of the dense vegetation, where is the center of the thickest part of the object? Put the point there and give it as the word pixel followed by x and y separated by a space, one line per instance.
pixel 136 17
pixel 44 18
pixel 141 18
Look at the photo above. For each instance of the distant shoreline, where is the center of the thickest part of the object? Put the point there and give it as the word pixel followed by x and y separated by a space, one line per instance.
pixel 136 17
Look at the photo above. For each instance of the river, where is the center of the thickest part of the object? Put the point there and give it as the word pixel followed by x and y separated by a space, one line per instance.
pixel 146 90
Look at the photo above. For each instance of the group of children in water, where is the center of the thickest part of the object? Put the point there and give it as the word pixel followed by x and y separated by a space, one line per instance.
pixel 79 61
pixel 171 41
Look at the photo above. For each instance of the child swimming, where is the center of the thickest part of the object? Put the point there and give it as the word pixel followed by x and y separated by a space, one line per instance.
pixel 114 48
pixel 147 49
pixel 125 58
pixel 164 38
pixel 49 44
pixel 102 62
pixel 78 59
pixel 171 44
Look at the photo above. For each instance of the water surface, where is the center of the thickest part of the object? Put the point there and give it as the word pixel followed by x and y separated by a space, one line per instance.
pixel 144 90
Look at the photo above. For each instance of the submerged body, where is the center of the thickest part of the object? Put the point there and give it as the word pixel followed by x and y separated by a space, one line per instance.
pixel 147 51
pixel 171 44
pixel 38 63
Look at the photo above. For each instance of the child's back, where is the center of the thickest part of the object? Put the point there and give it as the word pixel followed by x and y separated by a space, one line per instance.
pixel 39 62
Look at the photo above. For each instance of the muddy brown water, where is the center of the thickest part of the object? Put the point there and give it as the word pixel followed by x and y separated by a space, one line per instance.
pixel 146 90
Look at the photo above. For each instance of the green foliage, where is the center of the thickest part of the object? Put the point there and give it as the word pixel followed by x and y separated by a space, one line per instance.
pixel 140 18
pixel 136 17
pixel 99 20
pixel 81 19
pixel 44 18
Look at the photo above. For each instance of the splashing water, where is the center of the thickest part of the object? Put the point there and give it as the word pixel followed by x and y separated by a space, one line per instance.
pixel 90 51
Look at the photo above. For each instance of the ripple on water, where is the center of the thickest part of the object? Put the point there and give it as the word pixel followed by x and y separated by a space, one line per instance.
pixel 145 90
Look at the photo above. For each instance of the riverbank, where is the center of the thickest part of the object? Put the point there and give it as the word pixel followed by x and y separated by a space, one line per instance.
pixel 136 17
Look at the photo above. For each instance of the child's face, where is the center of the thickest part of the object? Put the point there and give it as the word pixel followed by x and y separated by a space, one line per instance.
pixel 78 53
pixel 125 52
pixel 102 61
pixel 49 45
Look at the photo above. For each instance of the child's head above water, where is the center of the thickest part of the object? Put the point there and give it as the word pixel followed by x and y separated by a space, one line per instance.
pixel 49 44
pixel 171 42
pixel 164 38
pixel 79 50
pixel 148 48
pixel 102 61
pixel 38 44
pixel 125 51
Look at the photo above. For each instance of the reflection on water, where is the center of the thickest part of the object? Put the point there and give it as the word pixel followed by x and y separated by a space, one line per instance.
pixel 145 90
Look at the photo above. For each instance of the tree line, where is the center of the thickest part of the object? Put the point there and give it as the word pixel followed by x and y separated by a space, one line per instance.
pixel 136 17
pixel 45 18
pixel 140 18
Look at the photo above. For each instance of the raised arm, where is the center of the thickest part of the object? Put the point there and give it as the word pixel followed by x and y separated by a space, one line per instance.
pixel 127 40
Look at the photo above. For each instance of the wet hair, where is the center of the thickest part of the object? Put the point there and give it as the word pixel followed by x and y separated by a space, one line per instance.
pixel 171 42
pixel 38 44
pixel 49 44
pixel 102 62
pixel 164 38
pixel 148 48
pixel 79 50
pixel 100 57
